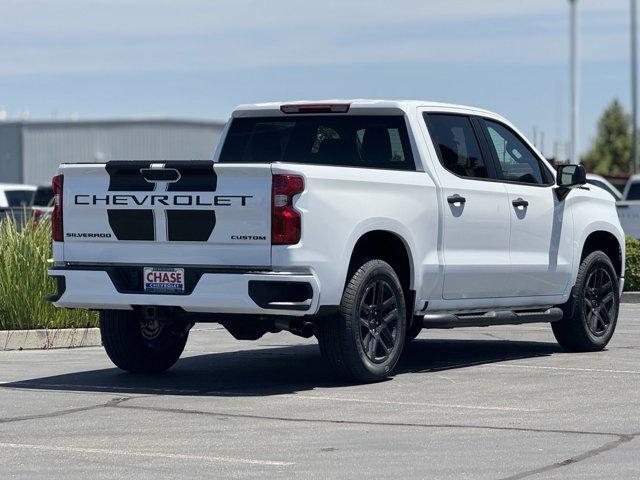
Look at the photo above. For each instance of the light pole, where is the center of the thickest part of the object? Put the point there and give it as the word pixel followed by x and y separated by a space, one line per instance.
pixel 634 88
pixel 575 81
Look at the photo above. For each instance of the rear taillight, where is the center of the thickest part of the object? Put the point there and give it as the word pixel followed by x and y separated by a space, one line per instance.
pixel 285 220
pixel 56 216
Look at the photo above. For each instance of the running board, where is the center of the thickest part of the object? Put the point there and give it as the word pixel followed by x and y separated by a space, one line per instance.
pixel 499 317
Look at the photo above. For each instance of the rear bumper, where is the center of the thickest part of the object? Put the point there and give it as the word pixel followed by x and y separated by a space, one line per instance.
pixel 293 294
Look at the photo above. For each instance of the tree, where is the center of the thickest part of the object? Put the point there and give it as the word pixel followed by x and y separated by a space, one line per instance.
pixel 611 150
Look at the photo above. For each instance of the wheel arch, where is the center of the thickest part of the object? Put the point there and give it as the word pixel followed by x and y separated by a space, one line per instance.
pixel 388 246
pixel 608 243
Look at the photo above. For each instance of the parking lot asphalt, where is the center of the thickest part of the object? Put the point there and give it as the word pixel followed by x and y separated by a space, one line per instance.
pixel 483 403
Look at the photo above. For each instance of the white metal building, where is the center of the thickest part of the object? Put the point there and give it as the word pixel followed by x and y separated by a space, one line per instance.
pixel 30 151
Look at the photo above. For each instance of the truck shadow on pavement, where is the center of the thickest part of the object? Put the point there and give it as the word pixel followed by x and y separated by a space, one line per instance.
pixel 282 369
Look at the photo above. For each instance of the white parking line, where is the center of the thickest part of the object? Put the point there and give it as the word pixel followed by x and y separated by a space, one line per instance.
pixel 178 456
pixel 570 369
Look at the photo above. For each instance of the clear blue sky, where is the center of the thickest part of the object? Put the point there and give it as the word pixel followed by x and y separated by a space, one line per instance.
pixel 198 58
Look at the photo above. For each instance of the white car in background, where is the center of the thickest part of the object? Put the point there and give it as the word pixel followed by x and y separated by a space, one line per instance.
pixel 16 202
pixel 15 195
pixel 600 181
pixel 629 207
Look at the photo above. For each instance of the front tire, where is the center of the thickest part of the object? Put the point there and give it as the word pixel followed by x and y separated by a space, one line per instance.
pixel 591 314
pixel 139 346
pixel 363 343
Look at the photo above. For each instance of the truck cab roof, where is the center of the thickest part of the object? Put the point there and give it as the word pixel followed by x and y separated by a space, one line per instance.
pixel 358 105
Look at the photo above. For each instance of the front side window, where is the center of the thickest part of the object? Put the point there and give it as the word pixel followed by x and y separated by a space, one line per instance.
pixel 454 137
pixel 368 141
pixel 517 162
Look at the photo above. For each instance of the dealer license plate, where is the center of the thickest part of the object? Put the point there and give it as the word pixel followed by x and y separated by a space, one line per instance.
pixel 163 280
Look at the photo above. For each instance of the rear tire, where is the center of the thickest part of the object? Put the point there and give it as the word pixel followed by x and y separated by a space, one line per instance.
pixel 364 341
pixel 138 347
pixel 590 316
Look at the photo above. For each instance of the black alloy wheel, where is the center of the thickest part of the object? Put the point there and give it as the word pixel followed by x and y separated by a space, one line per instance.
pixel 378 321
pixel 599 302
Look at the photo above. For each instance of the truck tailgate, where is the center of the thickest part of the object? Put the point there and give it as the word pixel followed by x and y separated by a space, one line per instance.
pixel 167 213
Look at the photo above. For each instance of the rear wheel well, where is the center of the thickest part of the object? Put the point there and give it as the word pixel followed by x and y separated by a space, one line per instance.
pixel 389 247
pixel 386 246
pixel 607 243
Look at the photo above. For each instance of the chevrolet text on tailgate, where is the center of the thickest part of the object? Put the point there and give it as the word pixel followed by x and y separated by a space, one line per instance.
pixel 360 222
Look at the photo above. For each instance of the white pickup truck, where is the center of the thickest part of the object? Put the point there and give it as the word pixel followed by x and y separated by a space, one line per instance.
pixel 361 222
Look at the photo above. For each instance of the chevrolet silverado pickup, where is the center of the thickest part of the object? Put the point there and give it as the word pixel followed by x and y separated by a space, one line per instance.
pixel 360 222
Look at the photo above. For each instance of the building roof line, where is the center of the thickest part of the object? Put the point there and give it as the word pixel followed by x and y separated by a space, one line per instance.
pixel 114 121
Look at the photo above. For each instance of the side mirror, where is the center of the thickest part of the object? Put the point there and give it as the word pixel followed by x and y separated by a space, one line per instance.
pixel 569 176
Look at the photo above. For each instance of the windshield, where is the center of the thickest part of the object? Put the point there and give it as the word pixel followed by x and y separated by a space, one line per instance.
pixel 340 140
pixel 19 198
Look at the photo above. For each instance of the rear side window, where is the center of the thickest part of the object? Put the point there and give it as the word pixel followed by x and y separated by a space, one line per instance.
pixel 339 140
pixel 457 144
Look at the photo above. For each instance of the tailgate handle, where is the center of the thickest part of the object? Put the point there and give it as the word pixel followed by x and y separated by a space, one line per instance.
pixel 160 174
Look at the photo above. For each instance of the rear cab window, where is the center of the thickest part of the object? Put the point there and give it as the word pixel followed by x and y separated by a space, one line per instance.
pixel 366 141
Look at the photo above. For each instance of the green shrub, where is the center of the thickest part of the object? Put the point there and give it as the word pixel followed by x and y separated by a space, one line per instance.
pixel 632 267
pixel 24 259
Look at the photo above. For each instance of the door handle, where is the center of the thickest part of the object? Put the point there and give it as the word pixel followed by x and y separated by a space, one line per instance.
pixel 519 202
pixel 453 199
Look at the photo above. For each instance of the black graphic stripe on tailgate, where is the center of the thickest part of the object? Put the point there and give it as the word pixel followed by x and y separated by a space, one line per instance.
pixel 132 224
pixel 190 225
pixel 125 176
pixel 182 225
pixel 195 176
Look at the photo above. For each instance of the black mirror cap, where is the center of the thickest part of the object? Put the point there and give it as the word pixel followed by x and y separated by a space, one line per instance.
pixel 571 175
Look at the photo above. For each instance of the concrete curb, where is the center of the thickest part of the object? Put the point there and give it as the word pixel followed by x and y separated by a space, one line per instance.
pixel 630 297
pixel 47 339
